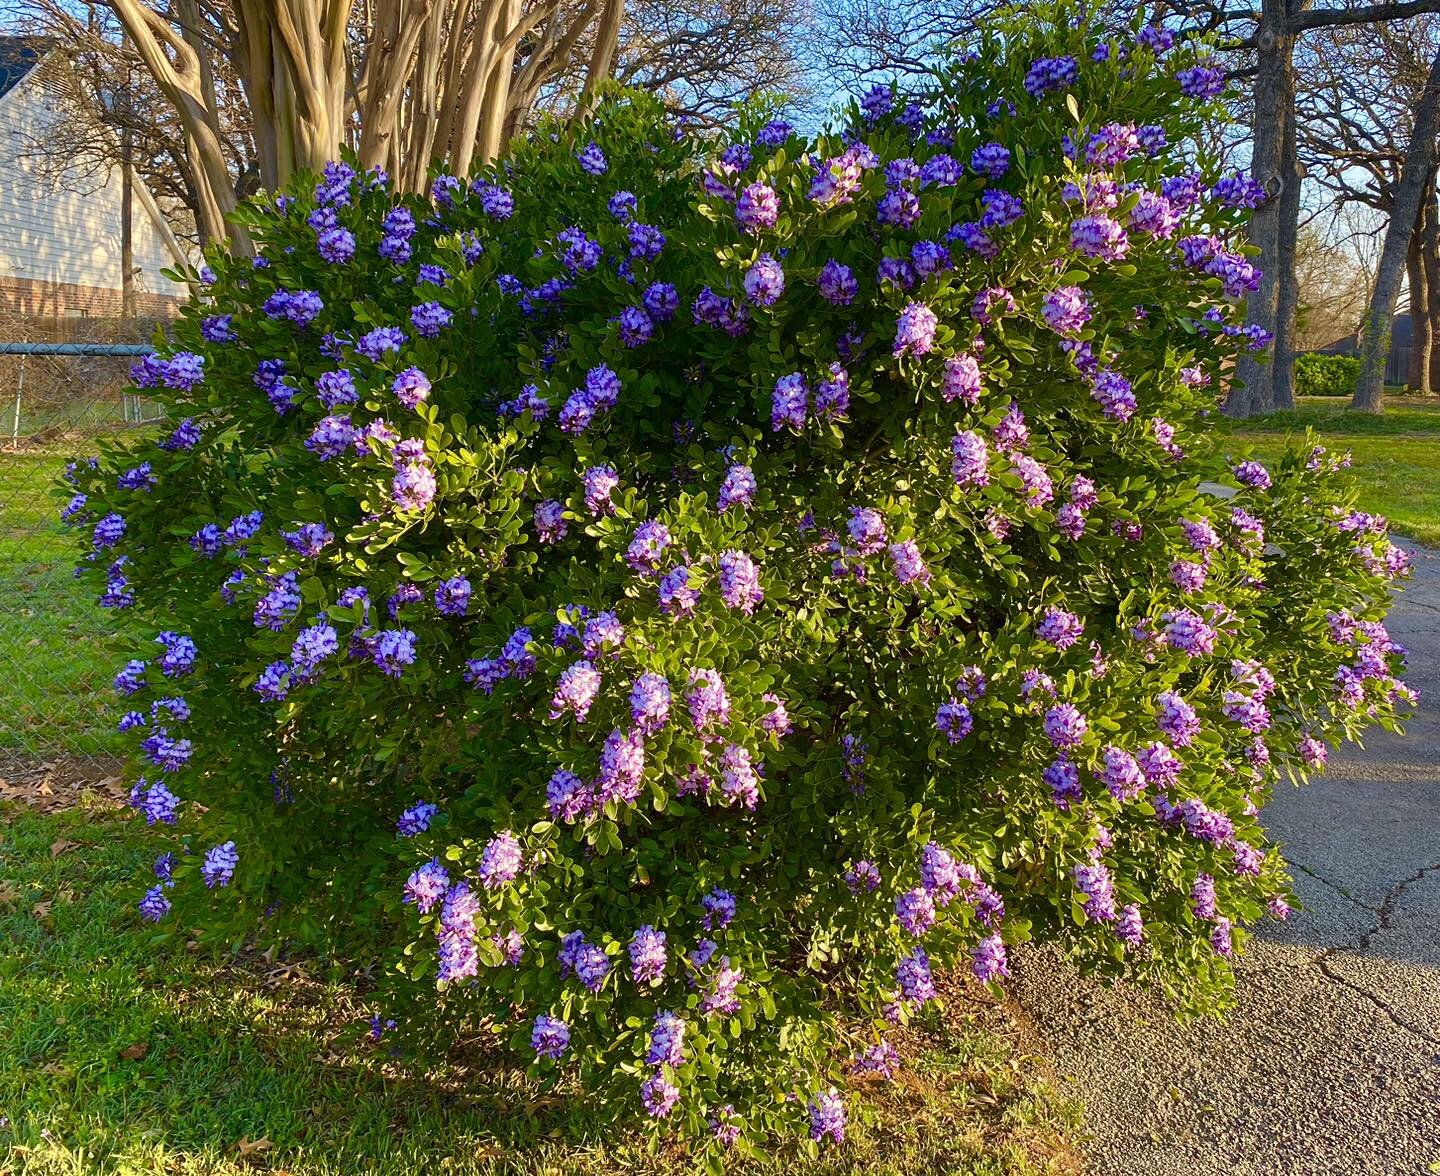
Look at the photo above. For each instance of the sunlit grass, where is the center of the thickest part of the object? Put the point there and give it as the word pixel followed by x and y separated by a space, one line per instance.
pixel 1396 454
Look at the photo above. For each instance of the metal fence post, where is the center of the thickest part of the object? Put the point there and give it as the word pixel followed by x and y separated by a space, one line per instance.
pixel 19 392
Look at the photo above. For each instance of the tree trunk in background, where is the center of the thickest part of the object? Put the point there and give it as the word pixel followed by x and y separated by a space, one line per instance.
pixel 1430 255
pixel 291 60
pixel 1252 387
pixel 127 224
pixel 1421 297
pixel 1404 207
pixel 1287 298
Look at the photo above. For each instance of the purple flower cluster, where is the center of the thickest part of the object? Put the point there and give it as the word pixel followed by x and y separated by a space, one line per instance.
pixel 218 867
pixel 550 1037
pixel 647 955
pixel 915 330
pixel 600 393
pixel 1050 75
pixel 456 934
pixel 739 582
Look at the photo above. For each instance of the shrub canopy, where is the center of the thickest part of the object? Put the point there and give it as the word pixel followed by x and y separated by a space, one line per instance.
pixel 1326 375
pixel 667 598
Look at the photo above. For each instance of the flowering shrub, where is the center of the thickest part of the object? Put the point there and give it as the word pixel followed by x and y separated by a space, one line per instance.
pixel 654 588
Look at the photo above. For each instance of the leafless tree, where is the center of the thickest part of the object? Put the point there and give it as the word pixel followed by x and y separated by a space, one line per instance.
pixel 1359 92
pixel 1271 35
pixel 861 41
pixel 706 56
pixel 1334 276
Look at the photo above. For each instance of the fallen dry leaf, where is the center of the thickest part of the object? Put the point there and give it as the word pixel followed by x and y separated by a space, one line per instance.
pixel 249 1147
pixel 133 1053
pixel 62 845
pixel 8 894
pixel 285 972
pixel 41 910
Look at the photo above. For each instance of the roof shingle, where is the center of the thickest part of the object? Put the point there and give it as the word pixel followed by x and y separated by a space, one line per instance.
pixel 18 56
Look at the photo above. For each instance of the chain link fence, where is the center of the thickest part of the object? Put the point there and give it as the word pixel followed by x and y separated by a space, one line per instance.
pixel 62 385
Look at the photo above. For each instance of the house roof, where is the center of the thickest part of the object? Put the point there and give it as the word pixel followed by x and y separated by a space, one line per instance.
pixel 18 56
pixel 1401 331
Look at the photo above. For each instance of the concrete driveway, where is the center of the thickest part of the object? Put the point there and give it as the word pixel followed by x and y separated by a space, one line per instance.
pixel 1331 1061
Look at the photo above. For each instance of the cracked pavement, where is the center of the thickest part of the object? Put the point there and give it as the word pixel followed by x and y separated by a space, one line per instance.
pixel 1330 1062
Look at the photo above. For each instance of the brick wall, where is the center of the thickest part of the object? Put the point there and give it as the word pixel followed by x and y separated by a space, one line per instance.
pixel 30 298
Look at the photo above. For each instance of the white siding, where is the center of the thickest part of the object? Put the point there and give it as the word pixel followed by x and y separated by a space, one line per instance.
pixel 66 227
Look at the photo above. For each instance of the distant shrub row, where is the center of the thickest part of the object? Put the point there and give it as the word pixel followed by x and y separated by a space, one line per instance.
pixel 1325 375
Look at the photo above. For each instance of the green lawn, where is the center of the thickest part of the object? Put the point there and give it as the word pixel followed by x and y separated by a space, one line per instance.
pixel 54 668
pixel 1396 455
pixel 123 1054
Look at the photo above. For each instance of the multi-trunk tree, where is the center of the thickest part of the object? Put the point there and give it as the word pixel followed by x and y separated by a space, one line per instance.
pixel 404 82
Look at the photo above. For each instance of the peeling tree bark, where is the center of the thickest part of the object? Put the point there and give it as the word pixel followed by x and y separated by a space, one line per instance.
pixel 602 58
pixel 433 79
pixel 1419 160
pixel 176 69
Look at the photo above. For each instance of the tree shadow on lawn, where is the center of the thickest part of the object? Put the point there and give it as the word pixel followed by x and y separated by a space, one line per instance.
pixel 124 1054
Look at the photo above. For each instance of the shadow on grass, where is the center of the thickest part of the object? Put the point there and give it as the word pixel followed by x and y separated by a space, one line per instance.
pixel 124 1055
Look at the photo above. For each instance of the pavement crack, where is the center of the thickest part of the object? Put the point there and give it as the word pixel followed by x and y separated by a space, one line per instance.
pixel 1335 886
pixel 1383 914
pixel 1387 904
pixel 1323 963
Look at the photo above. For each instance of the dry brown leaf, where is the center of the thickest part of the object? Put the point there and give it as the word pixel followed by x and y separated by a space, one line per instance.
pixel 62 845
pixel 8 894
pixel 41 910
pixel 57 1070
pixel 44 789
pixel 284 972
pixel 133 1053
pixel 248 1147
